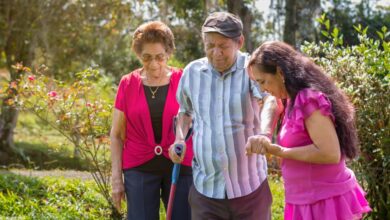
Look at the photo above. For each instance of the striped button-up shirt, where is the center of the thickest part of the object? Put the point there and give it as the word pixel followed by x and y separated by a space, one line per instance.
pixel 225 112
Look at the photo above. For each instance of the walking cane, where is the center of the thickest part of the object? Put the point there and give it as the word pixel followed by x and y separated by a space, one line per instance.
pixel 175 177
pixel 176 169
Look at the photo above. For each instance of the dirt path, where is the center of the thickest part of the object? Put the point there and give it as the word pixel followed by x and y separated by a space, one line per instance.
pixel 73 174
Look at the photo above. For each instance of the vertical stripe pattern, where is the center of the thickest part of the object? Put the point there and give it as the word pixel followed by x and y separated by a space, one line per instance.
pixel 225 112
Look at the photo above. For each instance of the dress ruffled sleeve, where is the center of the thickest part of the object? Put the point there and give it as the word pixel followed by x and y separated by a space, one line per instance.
pixel 306 102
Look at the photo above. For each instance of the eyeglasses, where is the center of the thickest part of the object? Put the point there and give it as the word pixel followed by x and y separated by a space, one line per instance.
pixel 146 58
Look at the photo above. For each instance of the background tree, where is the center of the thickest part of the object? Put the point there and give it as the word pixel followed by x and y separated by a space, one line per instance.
pixel 244 10
pixel 344 14
pixel 64 35
pixel 299 23
pixel 18 23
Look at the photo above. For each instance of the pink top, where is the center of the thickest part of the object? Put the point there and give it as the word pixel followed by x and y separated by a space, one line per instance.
pixel 139 143
pixel 306 183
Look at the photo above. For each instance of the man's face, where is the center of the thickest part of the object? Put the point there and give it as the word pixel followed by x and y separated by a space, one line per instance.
pixel 220 50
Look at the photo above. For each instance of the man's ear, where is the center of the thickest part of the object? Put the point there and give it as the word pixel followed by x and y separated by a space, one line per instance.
pixel 241 41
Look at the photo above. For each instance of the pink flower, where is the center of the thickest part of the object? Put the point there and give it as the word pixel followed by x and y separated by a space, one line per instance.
pixel 31 78
pixel 13 85
pixel 89 104
pixel 18 66
pixel 52 94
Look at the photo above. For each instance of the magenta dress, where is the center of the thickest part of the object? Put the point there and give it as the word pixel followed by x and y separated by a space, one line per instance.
pixel 316 191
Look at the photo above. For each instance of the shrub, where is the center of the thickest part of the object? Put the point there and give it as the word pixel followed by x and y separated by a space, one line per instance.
pixel 363 72
pixel 80 111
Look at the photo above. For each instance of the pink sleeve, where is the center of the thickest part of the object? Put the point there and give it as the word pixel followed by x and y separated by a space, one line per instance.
pixel 120 95
pixel 306 102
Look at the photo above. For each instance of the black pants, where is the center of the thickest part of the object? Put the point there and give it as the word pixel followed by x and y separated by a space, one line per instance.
pixel 144 190
pixel 255 206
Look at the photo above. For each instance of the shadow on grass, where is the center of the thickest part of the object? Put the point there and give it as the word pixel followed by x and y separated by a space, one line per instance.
pixel 40 156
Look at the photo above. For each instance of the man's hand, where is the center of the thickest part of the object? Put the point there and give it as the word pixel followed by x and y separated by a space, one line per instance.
pixel 257 144
pixel 172 154
pixel 118 192
pixel 261 102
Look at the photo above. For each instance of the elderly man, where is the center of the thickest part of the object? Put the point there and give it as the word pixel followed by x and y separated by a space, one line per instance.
pixel 218 94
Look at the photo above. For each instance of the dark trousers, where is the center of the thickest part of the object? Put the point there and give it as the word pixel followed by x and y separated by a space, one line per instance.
pixel 255 206
pixel 144 190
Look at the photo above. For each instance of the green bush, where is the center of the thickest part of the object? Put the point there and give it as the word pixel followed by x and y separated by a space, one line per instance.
pixel 80 111
pixel 363 72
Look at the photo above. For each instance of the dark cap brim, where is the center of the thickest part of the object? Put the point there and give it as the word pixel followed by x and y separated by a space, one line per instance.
pixel 226 33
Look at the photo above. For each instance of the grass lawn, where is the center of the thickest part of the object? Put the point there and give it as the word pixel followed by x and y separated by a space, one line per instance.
pixel 23 197
pixel 34 198
pixel 43 147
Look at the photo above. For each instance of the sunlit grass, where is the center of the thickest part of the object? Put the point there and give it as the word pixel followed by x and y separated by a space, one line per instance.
pixel 43 147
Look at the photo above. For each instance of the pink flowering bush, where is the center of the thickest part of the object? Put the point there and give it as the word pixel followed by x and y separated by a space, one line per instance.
pixel 80 111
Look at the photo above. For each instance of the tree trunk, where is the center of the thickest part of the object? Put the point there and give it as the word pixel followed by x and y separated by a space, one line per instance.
pixel 307 12
pixel 17 49
pixel 239 8
pixel 300 20
pixel 290 24
pixel 8 120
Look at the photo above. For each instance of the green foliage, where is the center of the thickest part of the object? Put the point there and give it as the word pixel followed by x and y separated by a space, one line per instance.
pixel 174 62
pixel 91 33
pixel 362 71
pixel 50 198
pixel 343 14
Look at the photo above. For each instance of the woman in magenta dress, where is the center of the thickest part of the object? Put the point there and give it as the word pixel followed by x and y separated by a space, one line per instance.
pixel 316 135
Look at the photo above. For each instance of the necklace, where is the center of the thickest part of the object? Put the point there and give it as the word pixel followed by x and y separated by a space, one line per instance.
pixel 153 92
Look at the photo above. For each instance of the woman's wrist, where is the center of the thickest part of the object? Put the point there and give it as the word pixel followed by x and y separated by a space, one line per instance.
pixel 116 180
pixel 276 150
pixel 116 174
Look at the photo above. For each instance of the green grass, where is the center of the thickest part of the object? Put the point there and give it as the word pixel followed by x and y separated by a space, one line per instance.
pixel 43 147
pixel 50 198
pixel 277 191
pixel 28 198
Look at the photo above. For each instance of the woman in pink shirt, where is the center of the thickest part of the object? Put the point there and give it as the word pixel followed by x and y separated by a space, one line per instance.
pixel 317 134
pixel 142 130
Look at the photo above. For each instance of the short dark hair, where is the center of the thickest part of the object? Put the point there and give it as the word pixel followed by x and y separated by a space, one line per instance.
pixel 153 32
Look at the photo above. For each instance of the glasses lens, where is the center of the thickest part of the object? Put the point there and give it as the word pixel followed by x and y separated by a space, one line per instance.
pixel 148 58
pixel 160 57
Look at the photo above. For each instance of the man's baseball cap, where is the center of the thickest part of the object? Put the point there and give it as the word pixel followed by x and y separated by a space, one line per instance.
pixel 223 23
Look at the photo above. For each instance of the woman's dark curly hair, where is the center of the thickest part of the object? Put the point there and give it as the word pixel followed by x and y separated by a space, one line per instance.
pixel 301 72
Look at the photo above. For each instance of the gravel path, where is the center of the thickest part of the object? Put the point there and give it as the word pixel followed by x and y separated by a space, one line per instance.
pixel 73 174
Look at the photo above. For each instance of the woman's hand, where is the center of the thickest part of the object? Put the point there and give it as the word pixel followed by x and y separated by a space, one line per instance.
pixel 118 192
